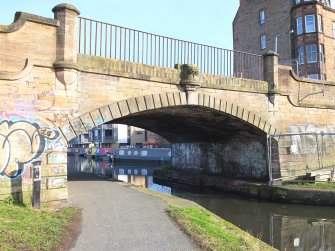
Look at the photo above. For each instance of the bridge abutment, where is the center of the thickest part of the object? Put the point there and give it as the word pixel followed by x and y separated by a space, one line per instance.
pixel 238 159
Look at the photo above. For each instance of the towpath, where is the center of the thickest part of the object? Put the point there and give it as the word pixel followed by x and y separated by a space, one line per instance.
pixel 116 218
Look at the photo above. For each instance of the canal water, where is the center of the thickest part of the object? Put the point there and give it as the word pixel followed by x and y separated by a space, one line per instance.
pixel 283 226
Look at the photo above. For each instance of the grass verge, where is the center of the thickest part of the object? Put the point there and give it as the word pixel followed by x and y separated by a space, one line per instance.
pixel 321 185
pixel 208 230
pixel 212 232
pixel 23 228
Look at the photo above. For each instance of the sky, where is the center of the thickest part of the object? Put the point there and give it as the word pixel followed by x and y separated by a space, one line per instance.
pixel 207 22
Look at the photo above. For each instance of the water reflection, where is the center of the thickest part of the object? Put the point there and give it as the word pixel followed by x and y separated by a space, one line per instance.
pixel 128 172
pixel 283 226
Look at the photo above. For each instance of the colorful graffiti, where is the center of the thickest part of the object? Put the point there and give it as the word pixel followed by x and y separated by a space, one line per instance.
pixel 22 142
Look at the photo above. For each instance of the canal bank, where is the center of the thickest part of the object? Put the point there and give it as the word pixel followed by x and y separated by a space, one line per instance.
pixel 281 225
pixel 207 229
pixel 115 217
pixel 259 190
pixel 121 216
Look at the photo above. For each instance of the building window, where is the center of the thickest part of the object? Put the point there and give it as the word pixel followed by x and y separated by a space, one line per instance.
pixel 311 53
pixel 313 76
pixel 263 42
pixel 322 53
pixel 329 3
pixel 299 25
pixel 301 55
pixel 297 1
pixel 309 23
pixel 261 17
pixel 320 29
pixel 334 29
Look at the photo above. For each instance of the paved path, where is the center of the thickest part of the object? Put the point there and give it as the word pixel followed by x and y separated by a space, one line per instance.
pixel 119 218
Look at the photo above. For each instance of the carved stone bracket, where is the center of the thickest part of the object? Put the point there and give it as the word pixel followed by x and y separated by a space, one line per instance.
pixel 189 80
pixel 66 72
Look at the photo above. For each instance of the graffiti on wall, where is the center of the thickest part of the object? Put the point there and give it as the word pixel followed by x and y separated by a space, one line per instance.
pixel 62 117
pixel 306 142
pixel 249 157
pixel 234 159
pixel 22 142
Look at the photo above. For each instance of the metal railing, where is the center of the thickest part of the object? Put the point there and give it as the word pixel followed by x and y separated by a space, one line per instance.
pixel 301 156
pixel 112 41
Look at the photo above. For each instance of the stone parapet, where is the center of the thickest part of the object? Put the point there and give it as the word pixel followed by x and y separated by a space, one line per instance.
pixel 305 92
pixel 235 84
pixel 107 66
pixel 22 17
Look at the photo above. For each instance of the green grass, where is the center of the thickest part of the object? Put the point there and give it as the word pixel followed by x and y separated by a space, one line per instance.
pixel 23 228
pixel 212 232
pixel 321 185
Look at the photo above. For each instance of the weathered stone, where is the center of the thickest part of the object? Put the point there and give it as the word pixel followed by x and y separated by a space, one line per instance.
pixel 231 116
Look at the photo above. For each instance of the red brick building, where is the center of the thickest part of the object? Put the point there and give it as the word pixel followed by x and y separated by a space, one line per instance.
pixel 301 31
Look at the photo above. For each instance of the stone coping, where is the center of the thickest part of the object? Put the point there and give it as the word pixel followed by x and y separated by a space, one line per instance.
pixel 22 17
pixel 65 6
pixel 258 190
pixel 107 66
pixel 309 80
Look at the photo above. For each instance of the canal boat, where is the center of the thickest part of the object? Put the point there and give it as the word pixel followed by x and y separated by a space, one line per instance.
pixel 71 151
pixel 161 155
pixel 103 153
pixel 90 152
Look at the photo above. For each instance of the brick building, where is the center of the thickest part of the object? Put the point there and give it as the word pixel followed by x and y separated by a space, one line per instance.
pixel 301 31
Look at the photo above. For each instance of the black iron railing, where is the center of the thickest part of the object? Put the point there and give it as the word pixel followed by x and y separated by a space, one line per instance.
pixel 116 42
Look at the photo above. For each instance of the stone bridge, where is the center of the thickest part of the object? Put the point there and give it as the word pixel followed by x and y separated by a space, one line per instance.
pixel 217 124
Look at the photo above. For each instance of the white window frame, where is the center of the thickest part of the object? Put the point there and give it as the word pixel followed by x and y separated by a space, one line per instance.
pixel 320 25
pixel 262 17
pixel 301 55
pixel 310 24
pixel 322 53
pixel 263 42
pixel 311 53
pixel 299 25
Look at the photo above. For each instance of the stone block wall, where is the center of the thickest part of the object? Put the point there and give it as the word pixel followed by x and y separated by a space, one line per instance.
pixel 243 159
pixel 48 96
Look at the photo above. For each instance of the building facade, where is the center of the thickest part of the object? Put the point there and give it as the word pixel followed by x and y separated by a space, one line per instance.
pixel 302 32
pixel 116 135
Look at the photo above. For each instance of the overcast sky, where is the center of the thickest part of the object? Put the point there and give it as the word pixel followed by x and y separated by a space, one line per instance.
pixel 207 22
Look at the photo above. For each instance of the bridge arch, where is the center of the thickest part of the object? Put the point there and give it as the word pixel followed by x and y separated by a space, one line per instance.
pixel 173 112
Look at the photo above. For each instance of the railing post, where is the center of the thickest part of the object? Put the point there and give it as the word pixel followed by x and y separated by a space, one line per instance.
pixel 67 35
pixel 271 74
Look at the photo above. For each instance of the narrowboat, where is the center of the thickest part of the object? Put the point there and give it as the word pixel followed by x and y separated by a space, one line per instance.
pixel 143 154
pixel 103 153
